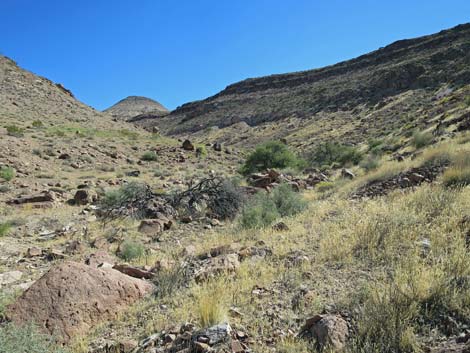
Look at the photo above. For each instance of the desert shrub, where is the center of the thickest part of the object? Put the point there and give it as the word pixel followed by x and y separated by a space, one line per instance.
pixel 131 199
pixel 287 201
pixel 169 281
pixel 149 156
pixel 5 300
pixel 385 322
pixel 217 196
pixel 226 203
pixel 5 228
pixel 421 139
pixel 15 339
pixel 15 131
pixel 7 173
pixel 131 250
pixel 370 163
pixel 4 188
pixel 467 101
pixel 329 153
pixel 259 212
pixel 271 154
pixel 263 209
pixel 37 124
pixel 201 151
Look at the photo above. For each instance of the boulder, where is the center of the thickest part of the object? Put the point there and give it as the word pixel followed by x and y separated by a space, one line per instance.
pixel 75 297
pixel 329 331
pixel 188 146
pixel 154 226
pixel 45 196
pixel 217 146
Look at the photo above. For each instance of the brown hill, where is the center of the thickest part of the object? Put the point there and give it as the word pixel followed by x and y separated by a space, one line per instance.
pixel 133 106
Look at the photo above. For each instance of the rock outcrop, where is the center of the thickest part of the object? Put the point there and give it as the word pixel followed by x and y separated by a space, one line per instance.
pixel 71 298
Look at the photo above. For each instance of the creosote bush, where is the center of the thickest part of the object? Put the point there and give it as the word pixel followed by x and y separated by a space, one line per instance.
pixel 149 156
pixel 131 250
pixel 5 228
pixel 15 131
pixel 271 154
pixel 334 155
pixel 421 139
pixel 7 173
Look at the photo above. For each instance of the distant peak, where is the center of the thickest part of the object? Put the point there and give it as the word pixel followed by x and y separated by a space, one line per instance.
pixel 132 106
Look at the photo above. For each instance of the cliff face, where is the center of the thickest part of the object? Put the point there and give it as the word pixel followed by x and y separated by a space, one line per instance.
pixel 424 63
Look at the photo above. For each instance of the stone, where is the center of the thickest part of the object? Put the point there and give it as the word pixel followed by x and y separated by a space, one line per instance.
pixel 154 226
pixel 133 271
pixel 329 331
pixel 74 298
pixel 188 146
pixel 347 174
pixel 45 196
pixel 213 335
pixel 217 146
pixel 217 265
pixel 10 277
pixel 34 252
pixel 84 197
pixel 74 247
pixel 280 227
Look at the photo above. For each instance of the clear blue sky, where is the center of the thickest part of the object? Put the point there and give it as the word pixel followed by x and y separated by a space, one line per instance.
pixel 177 51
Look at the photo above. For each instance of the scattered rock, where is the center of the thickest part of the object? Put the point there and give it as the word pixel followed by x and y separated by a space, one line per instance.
pixel 133 271
pixel 280 227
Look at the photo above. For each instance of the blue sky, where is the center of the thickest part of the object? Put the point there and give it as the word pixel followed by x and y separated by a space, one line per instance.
pixel 176 51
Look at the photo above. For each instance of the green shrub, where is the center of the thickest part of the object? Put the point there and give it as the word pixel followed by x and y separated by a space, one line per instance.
pixel 15 339
pixel 421 139
pixel 330 153
pixel 15 131
pixel 5 228
pixel 37 124
pixel 201 151
pixel 7 173
pixel 271 154
pixel 467 101
pixel 370 163
pixel 263 209
pixel 149 156
pixel 260 212
pixel 117 203
pixel 131 250
pixel 287 201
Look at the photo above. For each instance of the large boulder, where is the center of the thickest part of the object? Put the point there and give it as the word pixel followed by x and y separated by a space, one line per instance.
pixel 71 298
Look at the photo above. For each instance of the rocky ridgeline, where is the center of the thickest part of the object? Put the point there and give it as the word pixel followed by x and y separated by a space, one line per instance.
pixel 422 63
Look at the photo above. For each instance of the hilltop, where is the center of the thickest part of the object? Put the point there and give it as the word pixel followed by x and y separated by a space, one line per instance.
pixel 134 106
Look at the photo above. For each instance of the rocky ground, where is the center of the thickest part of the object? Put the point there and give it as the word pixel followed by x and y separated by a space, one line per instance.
pixel 378 260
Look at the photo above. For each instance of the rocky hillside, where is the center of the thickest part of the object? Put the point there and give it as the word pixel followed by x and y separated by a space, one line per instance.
pixel 379 89
pixel 133 106
pixel 25 96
